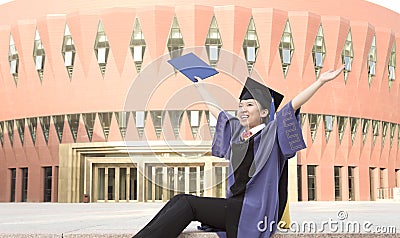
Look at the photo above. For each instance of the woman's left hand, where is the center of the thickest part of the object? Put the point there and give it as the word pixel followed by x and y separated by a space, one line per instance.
pixel 330 75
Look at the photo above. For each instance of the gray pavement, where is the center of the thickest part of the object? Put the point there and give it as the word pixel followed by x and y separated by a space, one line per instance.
pixel 123 219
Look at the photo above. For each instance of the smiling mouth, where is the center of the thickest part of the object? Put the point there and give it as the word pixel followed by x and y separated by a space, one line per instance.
pixel 244 117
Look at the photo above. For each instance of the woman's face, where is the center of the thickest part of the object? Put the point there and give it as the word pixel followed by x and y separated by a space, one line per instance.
pixel 250 113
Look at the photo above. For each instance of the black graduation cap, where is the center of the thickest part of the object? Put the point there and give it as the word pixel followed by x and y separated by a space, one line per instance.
pixel 267 97
pixel 192 67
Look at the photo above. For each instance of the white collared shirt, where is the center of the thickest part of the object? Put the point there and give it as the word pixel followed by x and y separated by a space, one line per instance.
pixel 255 129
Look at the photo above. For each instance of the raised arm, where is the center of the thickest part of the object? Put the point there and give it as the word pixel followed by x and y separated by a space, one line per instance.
pixel 307 93
pixel 210 101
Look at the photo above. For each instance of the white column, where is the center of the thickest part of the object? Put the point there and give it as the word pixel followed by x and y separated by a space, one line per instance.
pixel 208 178
pixel 164 183
pixel 198 180
pixel 153 184
pixel 187 172
pixel 106 184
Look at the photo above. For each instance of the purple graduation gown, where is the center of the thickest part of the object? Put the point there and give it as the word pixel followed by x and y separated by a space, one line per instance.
pixel 277 142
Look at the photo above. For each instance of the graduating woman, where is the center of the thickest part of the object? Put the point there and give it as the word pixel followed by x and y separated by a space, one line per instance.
pixel 258 145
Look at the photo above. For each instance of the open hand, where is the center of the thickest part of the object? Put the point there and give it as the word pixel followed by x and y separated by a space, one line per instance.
pixel 330 75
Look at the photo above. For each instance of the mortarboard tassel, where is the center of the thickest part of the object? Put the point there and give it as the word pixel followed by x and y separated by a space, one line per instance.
pixel 272 109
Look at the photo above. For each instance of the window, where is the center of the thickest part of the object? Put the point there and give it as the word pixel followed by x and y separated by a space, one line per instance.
pixel 392 132
pixel 47 184
pixel 73 121
pixel 372 61
pixel 2 133
pixel 286 48
pixel 181 180
pixel 140 117
pixel 371 69
pixel 312 182
pixel 319 51
pixel 101 48
pixel 137 45
pixel 383 190
pixel 122 184
pixel 133 184
pixel 45 124
pixel 372 187
pixel 213 53
pixel 21 129
pixel 318 59
pixel 111 184
pixel 159 183
pixel 286 56
pixel 391 73
pixel 338 182
pixel 314 121
pixel 365 128
pixel 24 187
pixel 176 118
pixel 299 184
pixel 375 128
pixel 213 42
pixel 13 173
pixel 351 183
pixel 175 42
pixel 10 130
pixel 39 55
pixel 68 51
pixel 193 180
pixel 385 126
pixel 157 117
pixel 105 122
pixel 342 122
pixel 101 183
pixel 89 120
pixel 303 117
pixel 32 125
pixel 382 178
pixel 392 65
pixel 347 63
pixel 354 127
pixel 212 122
pixel 218 182
pixel 194 117
pixel 347 55
pixel 328 123
pixel 13 59
pixel 122 120
pixel 251 45
pixel 58 121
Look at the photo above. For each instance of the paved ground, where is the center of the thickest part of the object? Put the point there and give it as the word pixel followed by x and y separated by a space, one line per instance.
pixel 61 219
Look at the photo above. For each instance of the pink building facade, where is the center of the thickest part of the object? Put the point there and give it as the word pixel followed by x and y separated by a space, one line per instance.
pixel 78 121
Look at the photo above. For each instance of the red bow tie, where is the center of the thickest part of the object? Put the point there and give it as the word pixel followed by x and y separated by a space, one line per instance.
pixel 246 134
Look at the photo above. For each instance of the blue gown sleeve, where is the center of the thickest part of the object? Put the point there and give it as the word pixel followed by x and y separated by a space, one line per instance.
pixel 226 124
pixel 290 136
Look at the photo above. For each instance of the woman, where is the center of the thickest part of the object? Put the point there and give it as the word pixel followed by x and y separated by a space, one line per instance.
pixel 258 149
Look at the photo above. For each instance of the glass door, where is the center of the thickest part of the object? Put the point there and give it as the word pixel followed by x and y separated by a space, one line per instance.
pixel 114 183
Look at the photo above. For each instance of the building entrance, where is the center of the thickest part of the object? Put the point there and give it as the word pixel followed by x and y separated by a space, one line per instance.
pixel 115 183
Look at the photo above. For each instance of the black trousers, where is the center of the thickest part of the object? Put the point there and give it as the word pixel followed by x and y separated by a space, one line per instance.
pixel 177 214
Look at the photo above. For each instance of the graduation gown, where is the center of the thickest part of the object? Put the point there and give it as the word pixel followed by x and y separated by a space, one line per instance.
pixel 278 141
